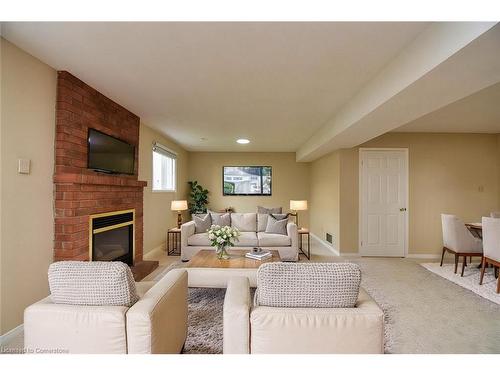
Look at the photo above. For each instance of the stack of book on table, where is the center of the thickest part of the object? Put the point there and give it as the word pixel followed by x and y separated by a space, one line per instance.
pixel 260 254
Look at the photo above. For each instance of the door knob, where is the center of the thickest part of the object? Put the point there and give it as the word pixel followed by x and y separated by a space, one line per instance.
pixel 402 209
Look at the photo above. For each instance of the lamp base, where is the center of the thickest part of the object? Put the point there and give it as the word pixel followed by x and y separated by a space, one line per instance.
pixel 179 219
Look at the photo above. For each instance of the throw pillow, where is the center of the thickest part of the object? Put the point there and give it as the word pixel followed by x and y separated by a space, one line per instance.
pixel 329 285
pixel 264 210
pixel 244 222
pixel 262 220
pixel 92 283
pixel 219 218
pixel 202 224
pixel 275 225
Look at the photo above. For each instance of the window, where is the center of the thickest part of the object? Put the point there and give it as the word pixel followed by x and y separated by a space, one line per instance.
pixel 164 168
pixel 247 180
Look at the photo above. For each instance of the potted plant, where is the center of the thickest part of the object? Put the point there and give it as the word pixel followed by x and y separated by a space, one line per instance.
pixel 198 198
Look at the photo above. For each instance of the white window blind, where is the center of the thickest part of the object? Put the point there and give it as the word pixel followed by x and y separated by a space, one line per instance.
pixel 164 168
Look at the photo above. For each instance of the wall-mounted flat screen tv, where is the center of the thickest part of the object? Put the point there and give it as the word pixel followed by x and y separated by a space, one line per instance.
pixel 247 180
pixel 109 154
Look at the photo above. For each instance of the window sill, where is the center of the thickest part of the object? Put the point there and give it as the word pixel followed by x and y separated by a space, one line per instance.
pixel 164 191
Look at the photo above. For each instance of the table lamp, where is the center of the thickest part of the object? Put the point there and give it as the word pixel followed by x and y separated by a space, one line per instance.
pixel 179 206
pixel 297 206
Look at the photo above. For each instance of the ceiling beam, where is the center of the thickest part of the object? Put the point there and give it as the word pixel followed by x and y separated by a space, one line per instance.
pixel 445 63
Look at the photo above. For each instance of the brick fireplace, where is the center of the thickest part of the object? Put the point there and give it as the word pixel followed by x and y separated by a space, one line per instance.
pixel 81 193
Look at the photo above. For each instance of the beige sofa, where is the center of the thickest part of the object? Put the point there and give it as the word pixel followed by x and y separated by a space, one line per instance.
pixel 157 323
pixel 253 233
pixel 272 330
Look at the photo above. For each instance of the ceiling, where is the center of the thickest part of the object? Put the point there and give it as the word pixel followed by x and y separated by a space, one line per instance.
pixel 477 113
pixel 207 84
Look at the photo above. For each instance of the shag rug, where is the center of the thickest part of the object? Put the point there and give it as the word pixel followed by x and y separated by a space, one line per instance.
pixel 470 280
pixel 205 322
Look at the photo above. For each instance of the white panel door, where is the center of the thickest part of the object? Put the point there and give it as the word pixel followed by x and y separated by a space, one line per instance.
pixel 383 202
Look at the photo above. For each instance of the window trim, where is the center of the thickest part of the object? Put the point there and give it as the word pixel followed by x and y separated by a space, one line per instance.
pixel 165 151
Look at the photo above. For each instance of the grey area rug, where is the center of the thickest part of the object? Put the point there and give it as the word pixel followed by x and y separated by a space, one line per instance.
pixel 205 322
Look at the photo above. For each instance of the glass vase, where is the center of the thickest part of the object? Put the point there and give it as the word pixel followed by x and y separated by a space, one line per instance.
pixel 222 252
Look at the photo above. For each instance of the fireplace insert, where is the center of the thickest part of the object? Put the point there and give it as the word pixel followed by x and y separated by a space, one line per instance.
pixel 112 236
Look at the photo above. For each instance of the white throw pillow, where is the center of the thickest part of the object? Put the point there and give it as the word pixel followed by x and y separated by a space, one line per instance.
pixel 92 283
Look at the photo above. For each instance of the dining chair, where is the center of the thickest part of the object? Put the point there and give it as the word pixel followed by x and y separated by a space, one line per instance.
pixel 491 243
pixel 495 214
pixel 458 240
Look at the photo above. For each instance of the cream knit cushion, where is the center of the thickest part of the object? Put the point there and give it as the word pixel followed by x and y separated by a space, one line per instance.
pixel 92 283
pixel 332 285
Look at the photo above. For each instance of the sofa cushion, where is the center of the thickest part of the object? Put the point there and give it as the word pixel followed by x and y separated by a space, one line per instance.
pixel 202 224
pixel 333 285
pixel 244 222
pixel 222 219
pixel 262 220
pixel 273 239
pixel 276 225
pixel 246 239
pixel 92 283
pixel 265 210
pixel 198 239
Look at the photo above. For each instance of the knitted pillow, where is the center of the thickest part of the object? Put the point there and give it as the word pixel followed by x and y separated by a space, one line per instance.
pixel 332 285
pixel 202 224
pixel 92 283
pixel 275 225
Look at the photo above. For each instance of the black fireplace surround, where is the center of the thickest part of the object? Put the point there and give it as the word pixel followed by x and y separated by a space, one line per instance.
pixel 113 238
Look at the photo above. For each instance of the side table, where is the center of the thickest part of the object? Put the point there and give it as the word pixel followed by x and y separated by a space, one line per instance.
pixel 305 232
pixel 174 241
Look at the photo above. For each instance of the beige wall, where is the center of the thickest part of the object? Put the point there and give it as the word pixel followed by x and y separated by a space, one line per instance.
pixel 325 197
pixel 446 172
pixel 290 179
pixel 28 95
pixel 157 215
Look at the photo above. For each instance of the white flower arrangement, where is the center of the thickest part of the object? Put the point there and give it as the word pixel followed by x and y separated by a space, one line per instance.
pixel 221 237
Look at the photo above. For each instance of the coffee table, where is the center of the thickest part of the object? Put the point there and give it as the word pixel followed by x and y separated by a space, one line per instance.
pixel 206 271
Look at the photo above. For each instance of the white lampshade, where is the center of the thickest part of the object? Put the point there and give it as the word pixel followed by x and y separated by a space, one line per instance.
pixel 179 205
pixel 298 205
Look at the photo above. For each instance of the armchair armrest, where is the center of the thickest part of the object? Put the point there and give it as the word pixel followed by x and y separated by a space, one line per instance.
pixel 236 319
pixel 157 323
pixel 187 230
pixel 292 231
pixel 75 329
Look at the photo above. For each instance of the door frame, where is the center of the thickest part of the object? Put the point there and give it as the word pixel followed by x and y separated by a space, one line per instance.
pixel 360 193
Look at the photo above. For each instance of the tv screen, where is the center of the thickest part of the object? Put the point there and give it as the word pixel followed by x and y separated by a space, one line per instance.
pixel 109 154
pixel 247 180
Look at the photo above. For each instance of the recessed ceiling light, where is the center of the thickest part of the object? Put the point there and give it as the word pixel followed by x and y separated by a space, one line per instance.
pixel 242 141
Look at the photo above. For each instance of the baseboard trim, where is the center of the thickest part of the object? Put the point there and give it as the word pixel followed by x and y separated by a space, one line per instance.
pixel 11 335
pixel 423 256
pixel 158 249
pixel 325 244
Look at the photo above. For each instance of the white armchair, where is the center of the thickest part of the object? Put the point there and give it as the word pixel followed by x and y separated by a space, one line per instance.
pixel 458 240
pixel 257 329
pixel 157 323
pixel 491 243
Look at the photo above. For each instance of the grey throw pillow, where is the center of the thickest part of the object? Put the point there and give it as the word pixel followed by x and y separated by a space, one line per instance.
pixel 202 224
pixel 328 285
pixel 262 220
pixel 265 210
pixel 92 283
pixel 222 219
pixel 276 225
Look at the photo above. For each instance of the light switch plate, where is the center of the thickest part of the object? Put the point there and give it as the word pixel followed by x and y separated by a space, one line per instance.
pixel 23 166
